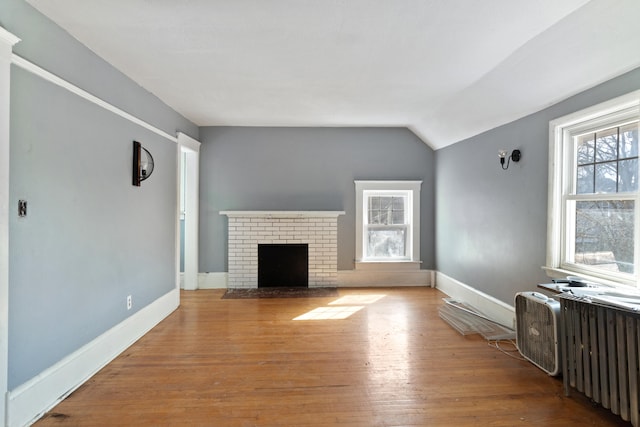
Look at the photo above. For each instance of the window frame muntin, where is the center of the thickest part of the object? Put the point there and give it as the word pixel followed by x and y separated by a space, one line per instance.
pixel 613 125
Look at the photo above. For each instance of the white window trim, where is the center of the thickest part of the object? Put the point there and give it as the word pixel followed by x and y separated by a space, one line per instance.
pixel 188 208
pixel 559 130
pixel 414 238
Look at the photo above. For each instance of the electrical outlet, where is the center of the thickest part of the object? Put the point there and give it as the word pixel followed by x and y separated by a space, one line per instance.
pixel 129 302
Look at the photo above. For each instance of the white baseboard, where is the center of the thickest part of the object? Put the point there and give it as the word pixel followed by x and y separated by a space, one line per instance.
pixel 31 400
pixel 212 280
pixel 209 280
pixel 383 278
pixel 345 279
pixel 491 307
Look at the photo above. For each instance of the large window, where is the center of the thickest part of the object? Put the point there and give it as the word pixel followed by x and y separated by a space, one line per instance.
pixel 388 220
pixel 594 194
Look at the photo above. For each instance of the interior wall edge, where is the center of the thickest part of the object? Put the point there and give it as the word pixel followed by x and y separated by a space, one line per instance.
pixel 29 401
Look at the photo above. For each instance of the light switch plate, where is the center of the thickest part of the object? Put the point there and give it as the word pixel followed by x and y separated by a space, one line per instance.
pixel 22 208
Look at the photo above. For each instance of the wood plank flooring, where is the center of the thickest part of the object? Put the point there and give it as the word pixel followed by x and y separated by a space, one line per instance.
pixel 391 362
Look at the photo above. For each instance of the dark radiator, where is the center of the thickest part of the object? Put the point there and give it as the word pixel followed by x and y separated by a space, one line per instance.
pixel 601 359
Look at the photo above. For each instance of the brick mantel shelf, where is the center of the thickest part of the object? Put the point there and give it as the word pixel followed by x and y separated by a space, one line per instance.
pixel 282 214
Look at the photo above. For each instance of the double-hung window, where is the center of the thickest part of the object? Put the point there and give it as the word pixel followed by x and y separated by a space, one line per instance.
pixel 388 221
pixel 594 193
pixel 387 225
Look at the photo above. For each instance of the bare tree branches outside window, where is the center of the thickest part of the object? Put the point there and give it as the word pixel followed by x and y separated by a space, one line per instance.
pixel 387 226
pixel 606 163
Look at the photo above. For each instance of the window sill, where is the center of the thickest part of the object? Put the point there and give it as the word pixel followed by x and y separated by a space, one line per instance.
pixel 388 265
pixel 559 273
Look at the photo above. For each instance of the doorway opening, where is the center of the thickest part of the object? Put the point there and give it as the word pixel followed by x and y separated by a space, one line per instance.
pixel 189 159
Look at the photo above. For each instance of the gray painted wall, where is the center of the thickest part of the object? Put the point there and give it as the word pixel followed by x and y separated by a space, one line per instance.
pixel 492 224
pixel 305 169
pixel 90 237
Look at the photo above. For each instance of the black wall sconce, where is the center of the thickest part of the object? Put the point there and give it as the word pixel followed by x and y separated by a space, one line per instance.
pixel 142 163
pixel 504 154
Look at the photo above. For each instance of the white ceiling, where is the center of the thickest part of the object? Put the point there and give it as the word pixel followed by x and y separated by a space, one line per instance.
pixel 446 69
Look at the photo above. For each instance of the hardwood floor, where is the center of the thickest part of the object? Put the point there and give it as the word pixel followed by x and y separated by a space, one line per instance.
pixel 246 362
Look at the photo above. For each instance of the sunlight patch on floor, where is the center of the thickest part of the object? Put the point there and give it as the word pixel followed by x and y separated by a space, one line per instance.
pixel 330 313
pixel 341 308
pixel 357 299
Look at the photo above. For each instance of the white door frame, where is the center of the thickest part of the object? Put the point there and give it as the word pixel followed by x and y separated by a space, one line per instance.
pixel 190 148
pixel 7 40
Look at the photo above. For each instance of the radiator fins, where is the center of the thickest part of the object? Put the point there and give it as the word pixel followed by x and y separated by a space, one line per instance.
pixel 602 348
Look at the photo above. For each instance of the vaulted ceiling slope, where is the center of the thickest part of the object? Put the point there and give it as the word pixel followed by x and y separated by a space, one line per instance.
pixel 446 69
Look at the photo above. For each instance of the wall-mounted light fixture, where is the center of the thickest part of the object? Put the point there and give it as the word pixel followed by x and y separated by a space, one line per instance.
pixel 142 163
pixel 504 154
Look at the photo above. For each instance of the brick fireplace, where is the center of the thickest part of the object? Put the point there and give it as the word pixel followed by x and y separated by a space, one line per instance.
pixel 248 229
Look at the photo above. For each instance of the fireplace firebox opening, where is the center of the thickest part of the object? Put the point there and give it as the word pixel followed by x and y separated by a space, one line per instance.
pixel 283 265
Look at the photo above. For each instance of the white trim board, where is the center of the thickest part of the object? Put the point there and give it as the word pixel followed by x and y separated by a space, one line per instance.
pixel 208 281
pixel 491 307
pixel 189 206
pixel 389 277
pixel 213 280
pixel 282 214
pixel 8 38
pixel 46 75
pixel 31 400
